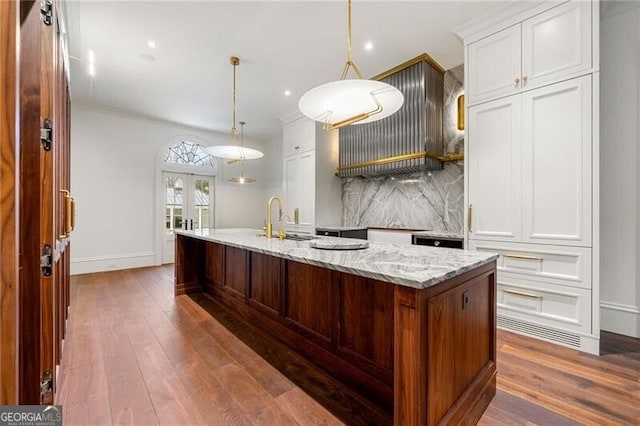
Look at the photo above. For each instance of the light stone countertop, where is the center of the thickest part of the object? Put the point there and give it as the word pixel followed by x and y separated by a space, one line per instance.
pixel 410 266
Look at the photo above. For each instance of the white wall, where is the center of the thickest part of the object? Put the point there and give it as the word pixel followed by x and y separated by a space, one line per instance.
pixel 619 163
pixel 113 180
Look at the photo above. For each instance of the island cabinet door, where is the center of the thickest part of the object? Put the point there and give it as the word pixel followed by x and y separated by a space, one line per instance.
pixel 214 267
pixel 308 301
pixel 265 283
pixel 236 271
pixel 366 325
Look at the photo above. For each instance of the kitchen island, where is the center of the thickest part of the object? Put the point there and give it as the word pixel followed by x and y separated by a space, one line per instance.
pixel 412 327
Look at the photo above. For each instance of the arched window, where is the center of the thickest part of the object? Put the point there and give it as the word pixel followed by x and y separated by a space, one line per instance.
pixel 189 153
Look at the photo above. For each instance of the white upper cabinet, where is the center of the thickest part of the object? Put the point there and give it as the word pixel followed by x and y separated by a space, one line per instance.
pixel 494 170
pixel 556 43
pixel 495 65
pixel 298 136
pixel 556 165
pixel 548 47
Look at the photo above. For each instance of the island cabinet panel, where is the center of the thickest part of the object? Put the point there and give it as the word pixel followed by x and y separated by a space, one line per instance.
pixel 366 324
pixel 214 267
pixel 189 272
pixel 308 301
pixel 236 271
pixel 265 283
pixel 459 325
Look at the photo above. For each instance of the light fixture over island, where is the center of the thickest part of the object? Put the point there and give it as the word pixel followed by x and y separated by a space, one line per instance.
pixel 415 326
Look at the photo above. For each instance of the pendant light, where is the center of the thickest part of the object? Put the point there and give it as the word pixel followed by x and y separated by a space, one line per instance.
pixel 234 153
pixel 350 101
pixel 242 178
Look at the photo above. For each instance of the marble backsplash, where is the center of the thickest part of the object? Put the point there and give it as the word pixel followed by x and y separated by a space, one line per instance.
pixel 428 200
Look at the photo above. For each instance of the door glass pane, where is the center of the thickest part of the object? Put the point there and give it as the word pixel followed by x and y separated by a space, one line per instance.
pixel 174 187
pixel 201 204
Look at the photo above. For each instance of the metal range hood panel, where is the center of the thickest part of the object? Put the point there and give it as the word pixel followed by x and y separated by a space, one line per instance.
pixel 416 127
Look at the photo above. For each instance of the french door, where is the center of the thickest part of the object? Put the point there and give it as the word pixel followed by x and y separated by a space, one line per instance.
pixel 188 205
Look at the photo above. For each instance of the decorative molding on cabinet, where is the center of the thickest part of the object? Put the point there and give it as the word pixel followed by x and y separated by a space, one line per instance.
pixel 496 20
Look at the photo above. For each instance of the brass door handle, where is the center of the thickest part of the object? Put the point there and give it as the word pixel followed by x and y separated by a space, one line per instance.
pixel 69 209
pixel 522 293
pixel 522 256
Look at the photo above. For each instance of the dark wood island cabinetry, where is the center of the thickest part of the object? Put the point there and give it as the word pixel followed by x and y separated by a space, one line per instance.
pixel 425 354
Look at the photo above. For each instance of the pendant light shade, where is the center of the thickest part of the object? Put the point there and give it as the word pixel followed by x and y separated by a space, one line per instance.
pixel 242 179
pixel 233 152
pixel 350 101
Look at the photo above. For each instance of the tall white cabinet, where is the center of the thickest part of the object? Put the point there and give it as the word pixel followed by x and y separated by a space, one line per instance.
pixel 531 162
pixel 310 161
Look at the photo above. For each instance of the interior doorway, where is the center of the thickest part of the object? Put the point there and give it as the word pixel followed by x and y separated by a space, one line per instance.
pixel 188 205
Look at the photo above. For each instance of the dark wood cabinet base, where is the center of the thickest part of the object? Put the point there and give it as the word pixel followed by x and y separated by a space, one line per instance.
pixel 425 355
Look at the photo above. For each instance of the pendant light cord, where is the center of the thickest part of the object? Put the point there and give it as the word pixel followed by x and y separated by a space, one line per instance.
pixel 234 61
pixel 350 62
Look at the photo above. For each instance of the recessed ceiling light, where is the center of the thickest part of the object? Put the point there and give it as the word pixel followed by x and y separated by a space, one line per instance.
pixel 151 44
pixel 147 57
pixel 287 92
pixel 368 46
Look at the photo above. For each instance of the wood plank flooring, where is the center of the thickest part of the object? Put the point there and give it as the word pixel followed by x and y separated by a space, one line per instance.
pixel 135 354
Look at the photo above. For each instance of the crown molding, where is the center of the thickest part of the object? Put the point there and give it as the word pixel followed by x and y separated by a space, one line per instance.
pixel 505 16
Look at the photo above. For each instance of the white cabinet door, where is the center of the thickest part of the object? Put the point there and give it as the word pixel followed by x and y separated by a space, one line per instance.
pixel 556 43
pixel 299 188
pixel 298 136
pixel 556 169
pixel 307 184
pixel 494 65
pixel 494 170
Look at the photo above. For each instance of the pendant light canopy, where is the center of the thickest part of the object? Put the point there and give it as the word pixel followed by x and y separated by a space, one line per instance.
pixel 350 101
pixel 234 153
pixel 242 178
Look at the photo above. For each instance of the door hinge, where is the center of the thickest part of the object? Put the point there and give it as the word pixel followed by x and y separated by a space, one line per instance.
pixel 46 260
pixel 46 135
pixel 46 11
pixel 46 388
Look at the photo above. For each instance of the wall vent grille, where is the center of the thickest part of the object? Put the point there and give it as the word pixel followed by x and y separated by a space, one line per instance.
pixel 535 330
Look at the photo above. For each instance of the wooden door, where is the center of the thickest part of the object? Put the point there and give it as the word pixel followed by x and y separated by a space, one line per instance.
pixel 9 22
pixel 494 170
pixel 556 164
pixel 44 172
pixel 494 65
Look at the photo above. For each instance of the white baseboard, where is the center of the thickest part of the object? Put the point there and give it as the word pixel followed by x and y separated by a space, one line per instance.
pixel 87 265
pixel 620 319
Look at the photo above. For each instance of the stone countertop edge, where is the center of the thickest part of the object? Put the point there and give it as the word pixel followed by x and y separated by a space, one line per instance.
pixel 341 228
pixel 392 263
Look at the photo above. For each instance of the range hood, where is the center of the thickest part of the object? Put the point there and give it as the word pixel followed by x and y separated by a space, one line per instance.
pixel 408 141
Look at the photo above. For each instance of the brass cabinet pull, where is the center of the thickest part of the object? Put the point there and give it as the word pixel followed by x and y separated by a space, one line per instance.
pixel 522 293
pixel 73 213
pixel 522 256
pixel 296 215
pixel 69 209
pixel 469 217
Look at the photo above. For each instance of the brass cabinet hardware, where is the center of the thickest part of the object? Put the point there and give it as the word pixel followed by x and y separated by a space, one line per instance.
pixel 69 211
pixel 522 293
pixel 469 216
pixel 522 256
pixel 412 156
pixel 296 215
pixel 517 81
pixel 524 79
pixel 73 214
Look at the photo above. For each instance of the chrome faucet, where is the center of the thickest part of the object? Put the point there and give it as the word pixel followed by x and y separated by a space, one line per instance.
pixel 269 226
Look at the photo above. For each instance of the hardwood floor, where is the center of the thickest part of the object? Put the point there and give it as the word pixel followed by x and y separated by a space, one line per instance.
pixel 135 354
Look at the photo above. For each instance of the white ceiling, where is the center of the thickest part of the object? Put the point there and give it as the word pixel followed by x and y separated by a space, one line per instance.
pixel 292 45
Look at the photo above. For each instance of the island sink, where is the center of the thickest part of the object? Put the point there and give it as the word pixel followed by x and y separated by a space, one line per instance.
pixel 419 340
